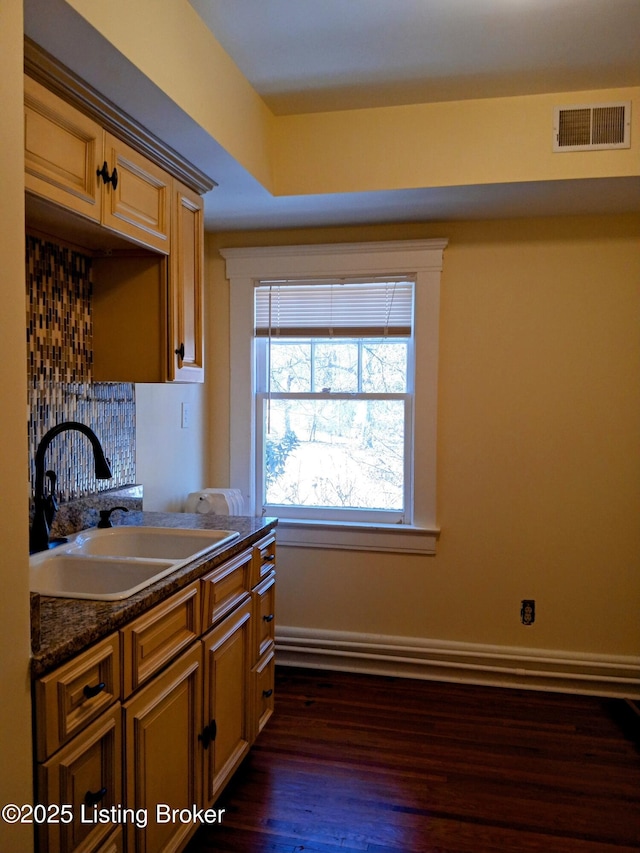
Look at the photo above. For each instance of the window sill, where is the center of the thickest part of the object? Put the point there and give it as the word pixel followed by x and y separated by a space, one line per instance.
pixel 351 536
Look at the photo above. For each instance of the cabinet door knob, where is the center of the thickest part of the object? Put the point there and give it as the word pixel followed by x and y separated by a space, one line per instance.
pixel 267 693
pixel 104 173
pixel 106 177
pixel 180 352
pixel 208 734
pixel 90 692
pixel 93 797
pixel 268 618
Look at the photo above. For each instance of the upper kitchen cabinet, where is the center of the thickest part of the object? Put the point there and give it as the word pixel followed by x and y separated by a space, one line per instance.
pixel 147 309
pixel 136 196
pixel 96 178
pixel 186 286
pixel 61 149
pixel 72 161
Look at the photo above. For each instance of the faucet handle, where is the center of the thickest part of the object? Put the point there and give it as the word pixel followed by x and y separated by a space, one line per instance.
pixel 50 501
pixel 52 477
pixel 105 515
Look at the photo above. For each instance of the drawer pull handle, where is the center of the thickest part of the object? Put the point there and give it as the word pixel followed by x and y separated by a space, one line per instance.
pixel 90 692
pixel 93 797
pixel 267 693
pixel 268 618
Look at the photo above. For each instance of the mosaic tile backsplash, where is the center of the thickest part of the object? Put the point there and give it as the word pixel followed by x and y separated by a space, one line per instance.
pixel 59 348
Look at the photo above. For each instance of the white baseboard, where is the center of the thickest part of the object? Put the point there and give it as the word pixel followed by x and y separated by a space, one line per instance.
pixel 437 660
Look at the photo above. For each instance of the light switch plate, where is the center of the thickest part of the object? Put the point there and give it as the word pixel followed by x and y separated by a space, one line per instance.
pixel 185 422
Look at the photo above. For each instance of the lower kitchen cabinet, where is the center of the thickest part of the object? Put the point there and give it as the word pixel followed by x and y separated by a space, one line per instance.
pixel 262 646
pixel 86 774
pixel 162 722
pixel 70 697
pixel 262 687
pixel 153 721
pixel 227 718
pixel 171 747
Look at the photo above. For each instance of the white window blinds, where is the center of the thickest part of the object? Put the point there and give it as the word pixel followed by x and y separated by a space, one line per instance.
pixel 378 308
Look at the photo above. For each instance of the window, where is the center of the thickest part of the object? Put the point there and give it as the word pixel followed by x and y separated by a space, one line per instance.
pixel 334 390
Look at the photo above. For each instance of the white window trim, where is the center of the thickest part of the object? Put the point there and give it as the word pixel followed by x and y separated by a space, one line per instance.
pixel 419 258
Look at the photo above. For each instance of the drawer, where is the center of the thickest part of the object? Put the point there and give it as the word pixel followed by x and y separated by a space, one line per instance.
pixel 156 637
pixel 85 775
pixel 225 588
pixel 264 558
pixel 263 691
pixel 75 694
pixel 264 608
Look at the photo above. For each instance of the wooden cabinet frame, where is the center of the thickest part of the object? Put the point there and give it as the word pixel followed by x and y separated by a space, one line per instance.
pixel 188 686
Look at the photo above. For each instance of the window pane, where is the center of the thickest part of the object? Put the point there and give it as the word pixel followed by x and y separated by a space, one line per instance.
pixel 348 366
pixel 290 366
pixel 335 454
pixel 335 366
pixel 384 367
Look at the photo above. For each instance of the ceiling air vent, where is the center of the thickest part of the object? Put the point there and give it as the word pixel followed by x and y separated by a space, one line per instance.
pixel 592 126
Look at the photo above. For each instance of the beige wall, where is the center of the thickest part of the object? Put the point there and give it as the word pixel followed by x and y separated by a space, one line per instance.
pixel 484 141
pixel 538 451
pixel 170 459
pixel 15 709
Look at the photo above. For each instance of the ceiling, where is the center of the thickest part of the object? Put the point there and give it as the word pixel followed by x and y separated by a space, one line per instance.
pixel 318 55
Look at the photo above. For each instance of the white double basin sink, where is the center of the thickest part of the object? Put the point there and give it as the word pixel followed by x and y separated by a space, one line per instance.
pixel 114 563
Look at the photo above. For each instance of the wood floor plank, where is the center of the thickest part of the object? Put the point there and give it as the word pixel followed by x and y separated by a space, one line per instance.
pixel 366 764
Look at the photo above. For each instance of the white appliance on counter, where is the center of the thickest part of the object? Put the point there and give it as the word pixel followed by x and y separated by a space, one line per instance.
pixel 217 501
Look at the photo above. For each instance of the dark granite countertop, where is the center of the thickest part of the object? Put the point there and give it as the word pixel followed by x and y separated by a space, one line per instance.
pixel 68 626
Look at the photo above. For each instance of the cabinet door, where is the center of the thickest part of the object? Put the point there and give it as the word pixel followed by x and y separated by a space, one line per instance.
pixel 86 774
pixel 139 204
pixel 227 712
pixel 186 345
pixel 63 152
pixel 162 755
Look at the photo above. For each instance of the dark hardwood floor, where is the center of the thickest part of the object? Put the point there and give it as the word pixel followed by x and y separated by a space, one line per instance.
pixel 364 763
